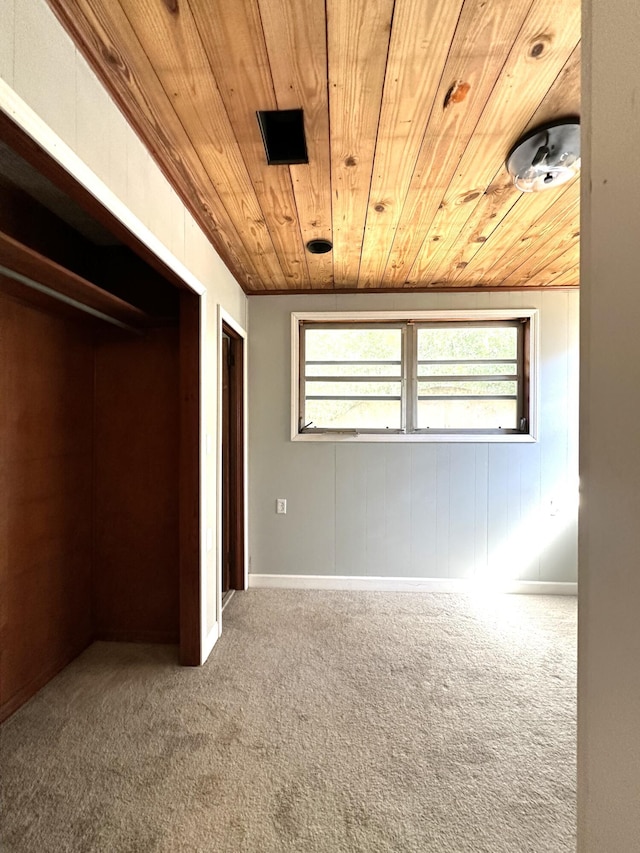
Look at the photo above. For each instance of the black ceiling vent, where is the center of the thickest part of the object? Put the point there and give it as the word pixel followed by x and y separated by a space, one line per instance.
pixel 319 247
pixel 283 136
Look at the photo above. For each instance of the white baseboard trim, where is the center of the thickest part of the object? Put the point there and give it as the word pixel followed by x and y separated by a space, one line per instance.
pixel 210 640
pixel 381 584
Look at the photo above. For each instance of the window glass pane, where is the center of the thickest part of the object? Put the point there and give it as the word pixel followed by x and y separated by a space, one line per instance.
pixel 466 389
pixel 467 414
pixel 377 352
pixel 483 369
pixel 353 389
pixel 353 414
pixel 467 342
pixel 346 369
pixel 353 344
pixel 470 376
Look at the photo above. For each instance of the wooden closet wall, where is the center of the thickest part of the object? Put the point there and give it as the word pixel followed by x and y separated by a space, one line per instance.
pixel 89 457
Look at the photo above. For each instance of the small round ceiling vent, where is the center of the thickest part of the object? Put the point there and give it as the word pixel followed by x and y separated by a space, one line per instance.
pixel 319 247
pixel 547 157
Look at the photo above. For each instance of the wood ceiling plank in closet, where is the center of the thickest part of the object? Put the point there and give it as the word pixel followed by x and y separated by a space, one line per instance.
pixel 517 247
pixel 548 276
pixel 420 38
pixel 558 260
pixel 561 237
pixel 231 31
pixel 569 277
pixel 358 40
pixel 483 39
pixel 295 36
pixel 544 43
pixel 555 266
pixel 495 204
pixel 172 43
pixel 562 99
pixel 114 52
pixel 516 233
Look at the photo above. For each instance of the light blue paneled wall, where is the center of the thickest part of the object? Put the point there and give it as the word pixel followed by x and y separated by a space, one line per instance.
pixel 423 510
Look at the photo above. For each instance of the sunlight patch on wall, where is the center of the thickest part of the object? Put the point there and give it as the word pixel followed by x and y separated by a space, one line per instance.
pixel 534 536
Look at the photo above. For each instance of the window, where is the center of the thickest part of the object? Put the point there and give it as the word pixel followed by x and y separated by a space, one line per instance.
pixel 448 376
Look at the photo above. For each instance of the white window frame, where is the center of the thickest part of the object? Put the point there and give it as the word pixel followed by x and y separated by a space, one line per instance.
pixel 417 316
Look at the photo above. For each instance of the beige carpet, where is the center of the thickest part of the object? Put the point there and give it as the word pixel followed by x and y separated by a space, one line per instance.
pixel 322 722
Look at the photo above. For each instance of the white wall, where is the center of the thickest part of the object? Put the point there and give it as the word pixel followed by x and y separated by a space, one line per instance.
pixel 609 605
pixel 414 510
pixel 76 121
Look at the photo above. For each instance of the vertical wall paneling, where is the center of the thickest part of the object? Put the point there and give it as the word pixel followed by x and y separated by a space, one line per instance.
pixel 533 514
pixel 116 173
pixel 46 388
pixel 45 67
pixel 573 369
pixel 498 541
pixel 309 487
pixel 462 510
pixel 140 187
pixel 398 507
pixel 481 505
pixel 305 476
pixel 93 129
pixel 531 510
pixel 7 16
pixel 376 511
pixel 135 578
pixel 514 499
pixel 443 509
pixel 207 266
pixel 421 510
pixel 558 492
pixel 351 512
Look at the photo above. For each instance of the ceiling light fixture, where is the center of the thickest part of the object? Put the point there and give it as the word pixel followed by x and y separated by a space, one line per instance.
pixel 547 157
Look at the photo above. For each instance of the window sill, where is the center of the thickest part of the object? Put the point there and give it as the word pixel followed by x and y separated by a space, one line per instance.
pixel 440 438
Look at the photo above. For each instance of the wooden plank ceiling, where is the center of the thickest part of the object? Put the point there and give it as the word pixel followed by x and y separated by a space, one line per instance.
pixel 410 108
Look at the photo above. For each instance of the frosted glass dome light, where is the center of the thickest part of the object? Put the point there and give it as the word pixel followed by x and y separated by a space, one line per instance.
pixel 548 157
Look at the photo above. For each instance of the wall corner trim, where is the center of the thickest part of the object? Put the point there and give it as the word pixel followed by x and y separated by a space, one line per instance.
pixel 209 642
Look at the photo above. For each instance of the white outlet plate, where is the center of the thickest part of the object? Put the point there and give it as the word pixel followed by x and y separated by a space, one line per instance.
pixel 281 506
